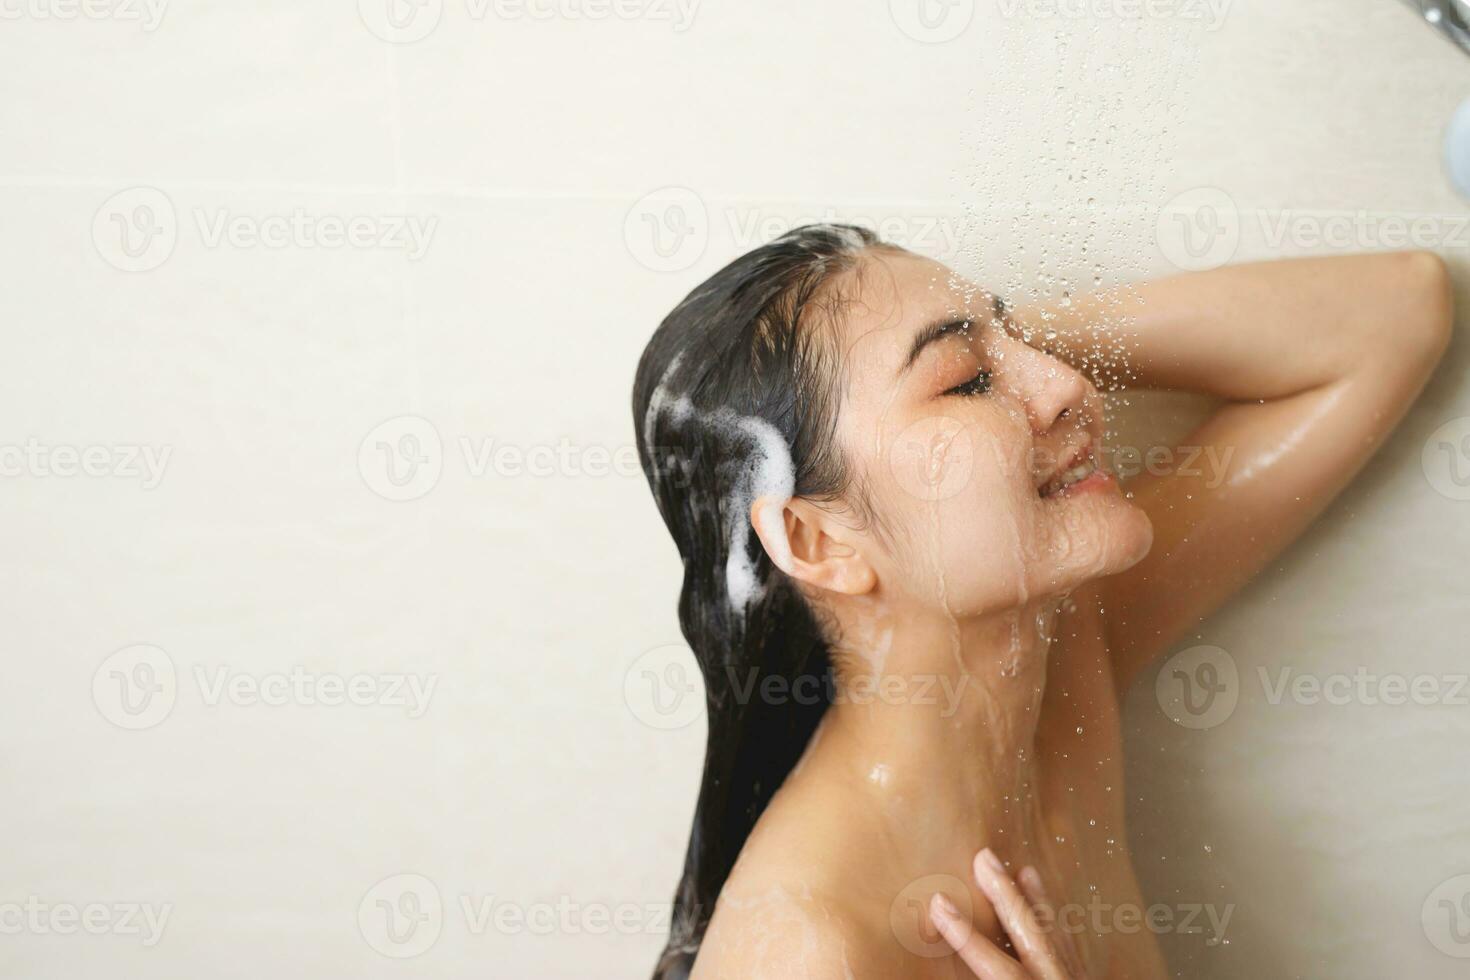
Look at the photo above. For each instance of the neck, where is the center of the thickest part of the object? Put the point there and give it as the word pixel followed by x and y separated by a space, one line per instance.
pixel 934 732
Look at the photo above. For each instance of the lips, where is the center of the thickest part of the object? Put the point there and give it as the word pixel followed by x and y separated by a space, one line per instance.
pixel 1078 467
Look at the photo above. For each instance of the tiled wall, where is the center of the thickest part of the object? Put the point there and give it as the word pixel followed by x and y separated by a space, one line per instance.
pixel 326 555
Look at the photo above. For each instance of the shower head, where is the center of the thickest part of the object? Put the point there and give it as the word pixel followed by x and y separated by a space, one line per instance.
pixel 1450 17
pixel 1457 149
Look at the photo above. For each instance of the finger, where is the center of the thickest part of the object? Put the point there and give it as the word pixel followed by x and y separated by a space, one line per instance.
pixel 1031 886
pixel 1035 892
pixel 985 959
pixel 1032 945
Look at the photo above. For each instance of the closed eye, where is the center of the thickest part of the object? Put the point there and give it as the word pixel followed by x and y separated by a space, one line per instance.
pixel 978 385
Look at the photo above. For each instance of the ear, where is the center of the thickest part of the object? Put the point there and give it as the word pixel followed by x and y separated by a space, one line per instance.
pixel 808 544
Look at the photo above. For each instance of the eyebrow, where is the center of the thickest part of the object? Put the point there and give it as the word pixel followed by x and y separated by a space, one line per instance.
pixel 939 329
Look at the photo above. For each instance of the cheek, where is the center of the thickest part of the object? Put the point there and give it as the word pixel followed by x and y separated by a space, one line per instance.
pixel 941 459
pixel 961 505
pixel 932 460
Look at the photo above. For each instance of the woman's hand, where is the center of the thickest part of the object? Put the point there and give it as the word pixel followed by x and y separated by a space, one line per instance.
pixel 1041 958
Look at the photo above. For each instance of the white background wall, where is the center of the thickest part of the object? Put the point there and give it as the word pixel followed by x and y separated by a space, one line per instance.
pixel 533 781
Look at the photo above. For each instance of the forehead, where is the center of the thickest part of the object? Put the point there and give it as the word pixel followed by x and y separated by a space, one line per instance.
pixel 889 297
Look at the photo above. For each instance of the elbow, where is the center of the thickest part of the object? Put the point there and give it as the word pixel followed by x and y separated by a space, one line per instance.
pixel 1428 314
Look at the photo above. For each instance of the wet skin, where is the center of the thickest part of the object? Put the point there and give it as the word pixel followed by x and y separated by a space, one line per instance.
pixel 987 618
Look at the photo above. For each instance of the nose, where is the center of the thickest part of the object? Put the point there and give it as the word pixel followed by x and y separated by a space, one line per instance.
pixel 1051 390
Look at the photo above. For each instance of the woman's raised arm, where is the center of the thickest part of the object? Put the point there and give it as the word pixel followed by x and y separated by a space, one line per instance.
pixel 1317 359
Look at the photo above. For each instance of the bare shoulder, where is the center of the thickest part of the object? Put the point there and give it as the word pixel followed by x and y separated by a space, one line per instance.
pixel 794 906
pixel 781 930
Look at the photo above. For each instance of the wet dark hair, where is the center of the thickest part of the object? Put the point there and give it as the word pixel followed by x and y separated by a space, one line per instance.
pixel 757 340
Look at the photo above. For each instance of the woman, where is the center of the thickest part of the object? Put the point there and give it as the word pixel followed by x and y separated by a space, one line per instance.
pixel 916 597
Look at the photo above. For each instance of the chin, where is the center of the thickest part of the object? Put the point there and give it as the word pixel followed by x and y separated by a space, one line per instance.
pixel 1106 535
pixel 1127 533
pixel 1137 537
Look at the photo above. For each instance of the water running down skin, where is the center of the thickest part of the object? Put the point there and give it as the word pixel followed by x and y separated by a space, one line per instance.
pixel 1038 606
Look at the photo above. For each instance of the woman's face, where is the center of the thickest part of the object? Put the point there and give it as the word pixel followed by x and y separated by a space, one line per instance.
pixel 965 438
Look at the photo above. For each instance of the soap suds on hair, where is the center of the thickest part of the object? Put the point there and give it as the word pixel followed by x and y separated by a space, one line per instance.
pixel 766 473
pixel 680 408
